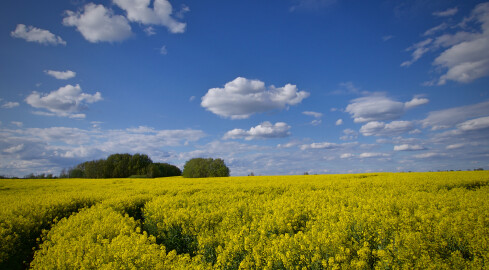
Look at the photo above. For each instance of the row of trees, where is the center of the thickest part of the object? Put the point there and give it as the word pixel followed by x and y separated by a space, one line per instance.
pixel 121 166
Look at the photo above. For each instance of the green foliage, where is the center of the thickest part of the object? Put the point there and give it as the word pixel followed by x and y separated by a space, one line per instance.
pixel 163 170
pixel 123 166
pixel 205 167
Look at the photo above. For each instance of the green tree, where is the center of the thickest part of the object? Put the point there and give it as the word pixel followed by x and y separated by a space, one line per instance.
pixel 139 164
pixel 205 167
pixel 163 170
pixel 119 165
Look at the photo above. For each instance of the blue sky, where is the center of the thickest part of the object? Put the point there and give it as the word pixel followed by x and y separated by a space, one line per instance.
pixel 272 87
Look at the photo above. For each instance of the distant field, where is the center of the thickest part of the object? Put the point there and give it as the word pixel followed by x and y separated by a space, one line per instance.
pixel 360 221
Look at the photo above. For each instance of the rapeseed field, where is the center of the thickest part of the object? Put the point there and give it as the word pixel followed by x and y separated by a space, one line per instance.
pixel 359 221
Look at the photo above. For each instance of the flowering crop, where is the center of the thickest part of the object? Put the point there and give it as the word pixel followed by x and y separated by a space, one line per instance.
pixel 368 221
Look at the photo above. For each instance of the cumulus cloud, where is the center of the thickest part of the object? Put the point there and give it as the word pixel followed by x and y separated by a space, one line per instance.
pixel 61 75
pixel 98 24
pixel 241 98
pixel 159 14
pixel 448 118
pixel 34 34
pixel 446 13
pixel 380 108
pixel 374 108
pixel 408 147
pixel 376 128
pixel 339 122
pixel 10 105
pixel 465 55
pixel 265 130
pixel 67 101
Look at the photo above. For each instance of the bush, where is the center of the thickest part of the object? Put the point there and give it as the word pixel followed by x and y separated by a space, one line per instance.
pixel 205 167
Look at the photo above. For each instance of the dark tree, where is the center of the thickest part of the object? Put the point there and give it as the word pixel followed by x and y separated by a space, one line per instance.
pixel 205 167
pixel 139 164
pixel 163 170
pixel 122 166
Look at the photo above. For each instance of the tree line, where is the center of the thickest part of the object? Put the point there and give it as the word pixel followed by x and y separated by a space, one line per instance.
pixel 140 166
pixel 122 166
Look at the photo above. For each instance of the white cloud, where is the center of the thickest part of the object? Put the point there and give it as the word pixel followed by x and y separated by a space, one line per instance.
pixel 163 50
pixel 450 117
pixel 322 145
pixel 455 146
pixel 465 62
pixel 17 123
pixel 379 108
pixel 67 101
pixel 61 75
pixel 96 124
pixel 474 124
pixel 313 114
pixel 339 122
pixel 419 49
pixel 350 134
pixel 446 13
pixel 181 13
pixel 10 105
pixel 388 37
pixel 265 130
pixel 14 149
pixel 34 34
pixel 372 155
pixel 316 122
pixel 346 155
pixel 428 155
pixel 408 147
pixel 241 98
pixel 289 144
pixel 376 128
pixel 38 149
pixel 416 102
pixel 466 52
pixel 374 108
pixel 97 24
pixel 150 31
pixel 435 29
pixel 141 12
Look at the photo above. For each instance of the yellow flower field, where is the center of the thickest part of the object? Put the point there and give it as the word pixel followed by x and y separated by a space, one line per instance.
pixel 359 221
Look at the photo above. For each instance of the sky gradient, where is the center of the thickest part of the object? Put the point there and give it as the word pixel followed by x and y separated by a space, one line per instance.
pixel 272 87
